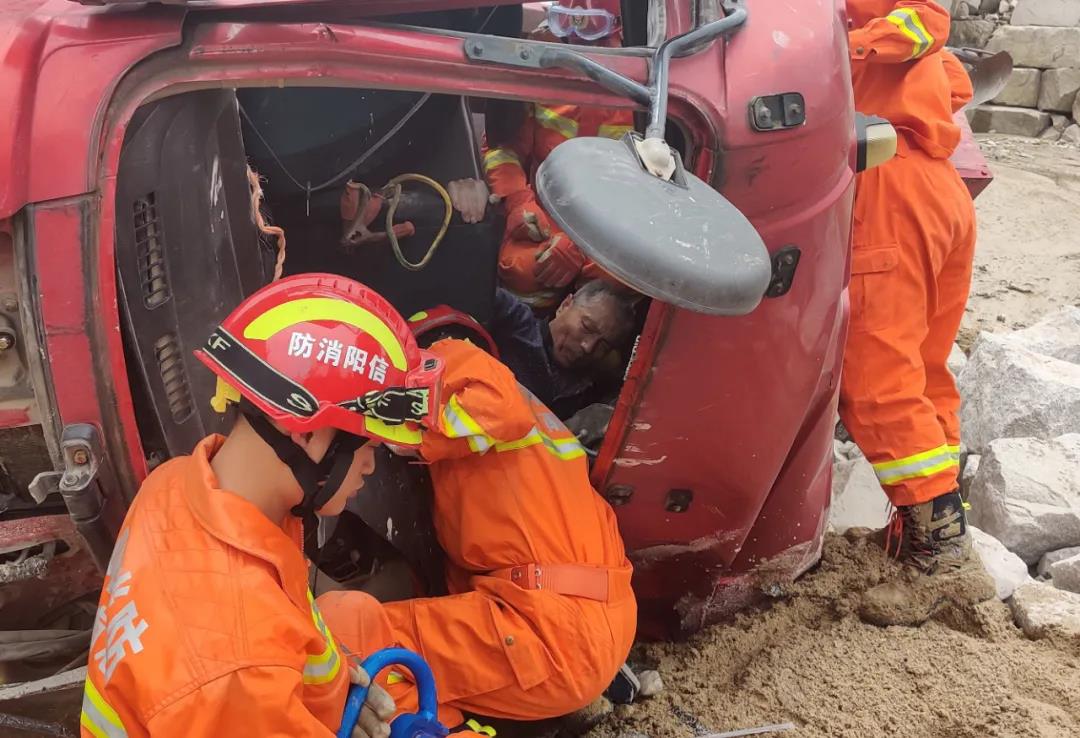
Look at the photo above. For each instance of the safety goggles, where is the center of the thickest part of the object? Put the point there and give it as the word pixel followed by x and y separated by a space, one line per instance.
pixel 585 23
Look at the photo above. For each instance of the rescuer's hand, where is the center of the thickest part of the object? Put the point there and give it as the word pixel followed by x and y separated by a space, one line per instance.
pixel 527 221
pixel 559 263
pixel 378 708
pixel 470 198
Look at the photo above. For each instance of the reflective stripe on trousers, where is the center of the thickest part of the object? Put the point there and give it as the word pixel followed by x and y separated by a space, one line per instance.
pixel 909 23
pixel 98 716
pixel 924 464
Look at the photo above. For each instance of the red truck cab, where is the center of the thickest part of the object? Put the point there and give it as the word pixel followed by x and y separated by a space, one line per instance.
pixel 127 231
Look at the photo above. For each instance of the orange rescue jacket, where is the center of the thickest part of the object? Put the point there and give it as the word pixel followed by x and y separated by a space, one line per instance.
pixel 512 493
pixel 206 625
pixel 897 72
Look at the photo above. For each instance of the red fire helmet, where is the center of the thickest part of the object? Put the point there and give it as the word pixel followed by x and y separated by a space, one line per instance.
pixel 445 317
pixel 319 350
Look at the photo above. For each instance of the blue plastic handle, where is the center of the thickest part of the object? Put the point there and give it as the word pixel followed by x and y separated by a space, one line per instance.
pixel 424 722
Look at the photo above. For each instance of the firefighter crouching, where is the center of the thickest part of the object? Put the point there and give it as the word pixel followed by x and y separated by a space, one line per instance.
pixel 540 614
pixel 206 624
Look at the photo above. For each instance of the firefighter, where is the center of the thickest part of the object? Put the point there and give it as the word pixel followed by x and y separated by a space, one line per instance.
pixel 540 615
pixel 537 261
pixel 206 625
pixel 913 243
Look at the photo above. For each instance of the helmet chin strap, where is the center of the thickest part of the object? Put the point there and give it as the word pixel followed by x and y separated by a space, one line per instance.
pixel 319 480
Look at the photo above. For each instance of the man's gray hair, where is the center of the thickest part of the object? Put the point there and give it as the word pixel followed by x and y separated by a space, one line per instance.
pixel 623 304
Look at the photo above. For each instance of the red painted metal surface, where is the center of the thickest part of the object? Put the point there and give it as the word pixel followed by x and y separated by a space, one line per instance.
pixel 736 410
pixel 969 160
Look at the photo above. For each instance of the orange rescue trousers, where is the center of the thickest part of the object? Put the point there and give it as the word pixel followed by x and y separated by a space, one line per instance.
pixel 525 655
pixel 913 244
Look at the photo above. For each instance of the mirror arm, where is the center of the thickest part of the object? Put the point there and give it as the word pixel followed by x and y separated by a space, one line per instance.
pixel 678 46
pixel 606 78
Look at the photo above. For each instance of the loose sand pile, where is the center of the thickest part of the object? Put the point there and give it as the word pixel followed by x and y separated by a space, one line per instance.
pixel 810 661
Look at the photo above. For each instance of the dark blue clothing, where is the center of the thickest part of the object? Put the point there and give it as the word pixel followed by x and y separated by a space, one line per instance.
pixel 524 343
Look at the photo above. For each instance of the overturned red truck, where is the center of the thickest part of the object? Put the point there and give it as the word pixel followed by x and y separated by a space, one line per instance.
pixel 129 228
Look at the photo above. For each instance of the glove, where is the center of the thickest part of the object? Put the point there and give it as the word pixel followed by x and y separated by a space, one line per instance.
pixel 378 708
pixel 526 220
pixel 470 198
pixel 589 425
pixel 559 263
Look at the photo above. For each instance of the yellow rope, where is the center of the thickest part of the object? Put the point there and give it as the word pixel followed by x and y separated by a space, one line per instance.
pixel 394 186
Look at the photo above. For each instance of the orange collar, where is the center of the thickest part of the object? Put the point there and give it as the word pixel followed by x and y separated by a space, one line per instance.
pixel 236 522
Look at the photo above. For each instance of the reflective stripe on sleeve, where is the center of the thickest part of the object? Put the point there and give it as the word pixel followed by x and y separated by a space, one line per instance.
pixel 909 23
pixel 98 716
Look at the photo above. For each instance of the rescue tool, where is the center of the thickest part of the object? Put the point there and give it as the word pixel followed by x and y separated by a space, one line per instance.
pixel 423 723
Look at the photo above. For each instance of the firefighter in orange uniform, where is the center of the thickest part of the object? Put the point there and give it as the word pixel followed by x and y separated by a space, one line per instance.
pixel 537 261
pixel 541 614
pixel 913 244
pixel 206 625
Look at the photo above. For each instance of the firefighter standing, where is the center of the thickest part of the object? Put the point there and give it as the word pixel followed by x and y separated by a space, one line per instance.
pixel 913 244
pixel 537 261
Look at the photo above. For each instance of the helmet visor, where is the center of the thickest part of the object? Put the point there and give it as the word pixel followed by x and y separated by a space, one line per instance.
pixel 586 23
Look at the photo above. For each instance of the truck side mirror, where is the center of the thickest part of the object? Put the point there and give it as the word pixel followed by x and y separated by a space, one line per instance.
pixel 675 239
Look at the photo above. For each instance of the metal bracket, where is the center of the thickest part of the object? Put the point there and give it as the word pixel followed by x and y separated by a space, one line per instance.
pixel 81 448
pixel 538 55
pixel 784 263
pixel 777 112
pixel 83 453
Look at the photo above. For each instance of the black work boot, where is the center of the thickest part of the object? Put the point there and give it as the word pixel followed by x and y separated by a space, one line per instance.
pixel 939 569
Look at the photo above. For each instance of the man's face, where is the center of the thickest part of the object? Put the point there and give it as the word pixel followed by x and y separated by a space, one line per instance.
pixel 583 332
pixel 363 464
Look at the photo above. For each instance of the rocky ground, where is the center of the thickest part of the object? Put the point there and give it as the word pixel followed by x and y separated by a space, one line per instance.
pixel 1009 667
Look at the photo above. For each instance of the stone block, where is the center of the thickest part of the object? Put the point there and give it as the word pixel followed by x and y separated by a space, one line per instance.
pixel 1027 494
pixel 1046 13
pixel 1022 89
pixel 1057 335
pixel 1012 120
pixel 971 468
pixel 1057 91
pixel 1038 46
pixel 1051 558
pixel 957 360
pixel 1042 611
pixel 973 33
pixel 1071 134
pixel 1065 574
pixel 1009 390
pixel 1006 568
pixel 858 500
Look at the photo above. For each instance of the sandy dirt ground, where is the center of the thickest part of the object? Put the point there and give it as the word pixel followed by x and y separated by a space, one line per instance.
pixel 809 660
pixel 1027 259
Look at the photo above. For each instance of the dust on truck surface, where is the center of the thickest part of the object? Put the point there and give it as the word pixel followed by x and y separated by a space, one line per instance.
pixel 127 231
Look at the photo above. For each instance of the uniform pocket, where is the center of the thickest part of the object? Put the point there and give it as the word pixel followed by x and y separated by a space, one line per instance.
pixel 873 301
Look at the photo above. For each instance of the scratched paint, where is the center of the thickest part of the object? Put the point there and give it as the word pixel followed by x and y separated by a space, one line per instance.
pixel 624 462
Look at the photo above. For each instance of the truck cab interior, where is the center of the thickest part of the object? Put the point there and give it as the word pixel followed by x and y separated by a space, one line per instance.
pixel 220 190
